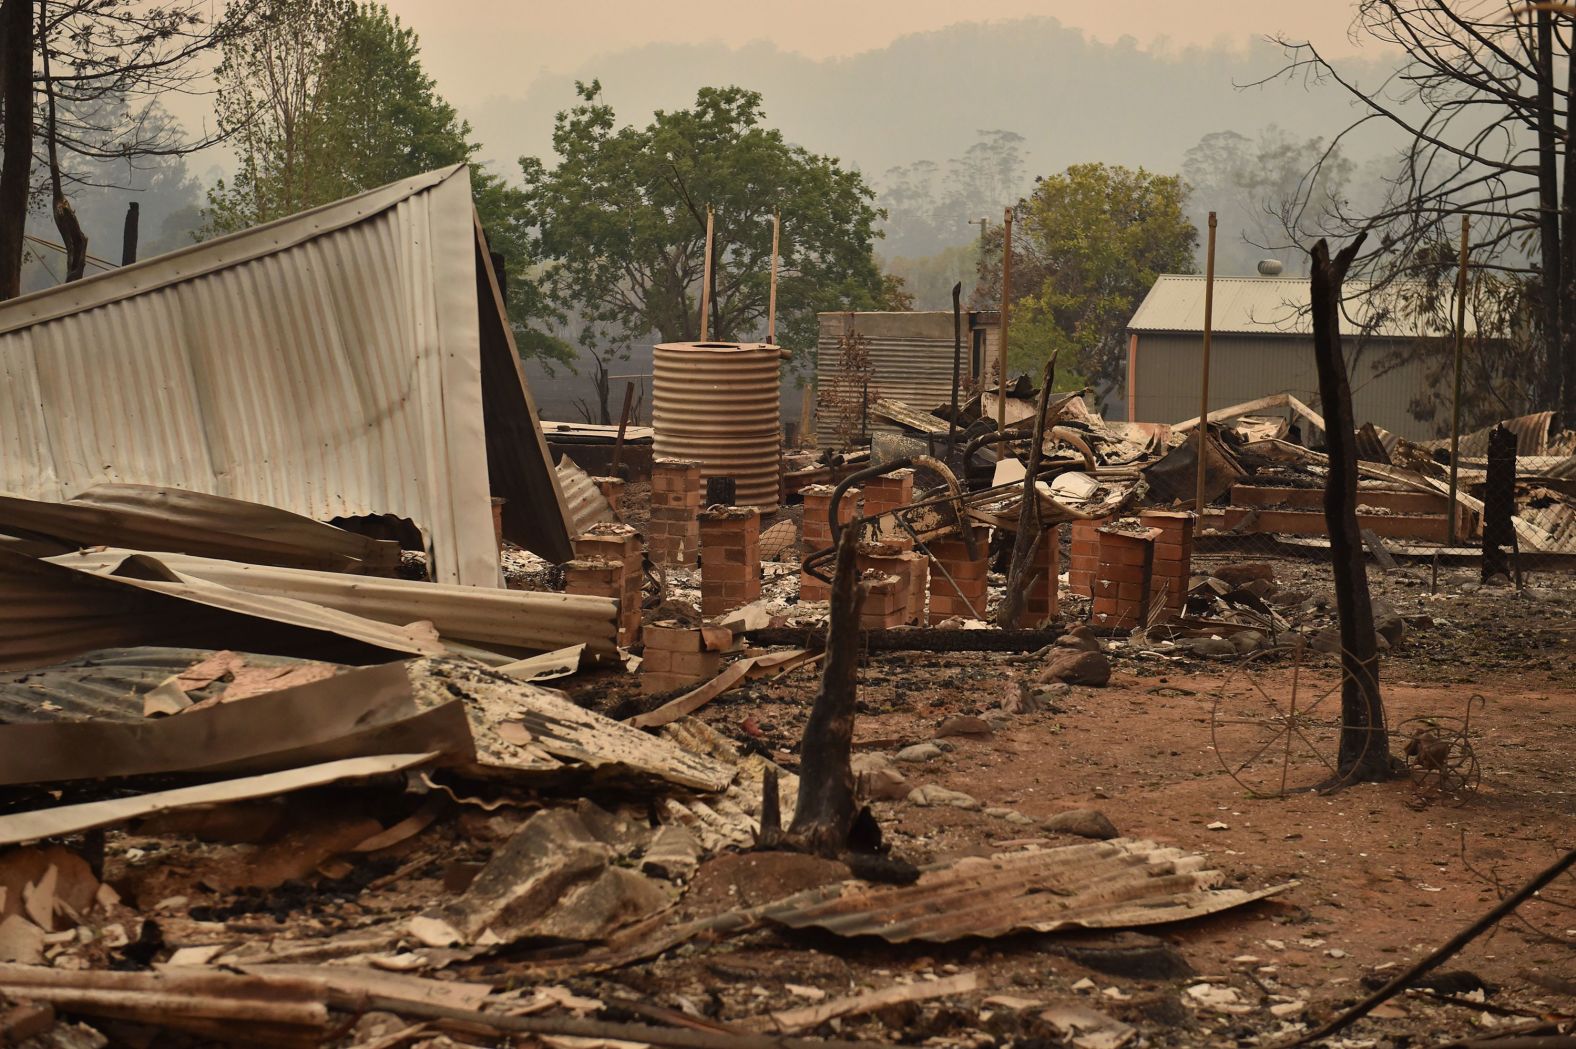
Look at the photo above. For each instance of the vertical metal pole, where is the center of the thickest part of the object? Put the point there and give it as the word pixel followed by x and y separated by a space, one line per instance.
pixel 705 285
pixel 771 301
pixel 957 364
pixel 1006 310
pixel 1455 404
pixel 1203 393
pixel 623 428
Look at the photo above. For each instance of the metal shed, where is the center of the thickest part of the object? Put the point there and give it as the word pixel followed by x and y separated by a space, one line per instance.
pixel 351 360
pixel 1263 344
pixel 910 358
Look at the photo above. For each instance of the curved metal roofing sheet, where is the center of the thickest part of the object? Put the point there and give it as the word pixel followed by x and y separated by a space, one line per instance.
pixel 1274 306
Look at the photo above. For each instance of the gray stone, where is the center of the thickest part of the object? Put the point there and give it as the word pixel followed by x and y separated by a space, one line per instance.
pixel 1245 641
pixel 963 725
pixel 931 795
pixel 919 752
pixel 883 784
pixel 1086 823
pixel 1209 647
pixel 1388 622
pixel 1078 668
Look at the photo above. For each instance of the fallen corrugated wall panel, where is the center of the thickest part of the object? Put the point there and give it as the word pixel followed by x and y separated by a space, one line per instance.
pixel 339 363
pixel 516 621
pixel 148 517
pixel 1102 885
pixel 50 612
pixel 357 713
pixel 587 505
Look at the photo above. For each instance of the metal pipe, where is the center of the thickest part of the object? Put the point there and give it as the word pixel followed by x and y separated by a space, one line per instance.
pixel 1006 310
pixel 1455 404
pixel 705 284
pixel 771 298
pixel 957 364
pixel 1203 396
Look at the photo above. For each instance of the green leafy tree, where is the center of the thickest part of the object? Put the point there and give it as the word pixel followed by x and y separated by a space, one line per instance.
pixel 621 220
pixel 1087 245
pixel 326 99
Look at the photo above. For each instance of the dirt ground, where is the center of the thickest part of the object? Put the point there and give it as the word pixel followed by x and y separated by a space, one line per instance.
pixel 1381 873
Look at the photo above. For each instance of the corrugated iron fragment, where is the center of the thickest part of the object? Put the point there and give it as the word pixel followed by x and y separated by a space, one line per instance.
pixel 1108 884
pixel 587 505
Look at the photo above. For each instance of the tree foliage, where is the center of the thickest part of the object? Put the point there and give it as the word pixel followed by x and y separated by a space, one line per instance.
pixel 622 223
pixel 1483 101
pixel 1087 245
pixel 930 206
pixel 328 98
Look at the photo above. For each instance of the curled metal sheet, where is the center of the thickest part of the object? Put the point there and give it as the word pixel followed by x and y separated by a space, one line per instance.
pixel 718 404
pixel 1108 884
pixel 587 505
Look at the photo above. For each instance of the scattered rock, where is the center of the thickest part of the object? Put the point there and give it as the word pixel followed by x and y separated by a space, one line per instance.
pixel 963 725
pixel 1246 641
pixel 919 753
pixel 883 784
pixel 1388 623
pixel 1078 668
pixel 1245 573
pixel 930 796
pixel 1080 638
pixel 1209 647
pixel 1086 823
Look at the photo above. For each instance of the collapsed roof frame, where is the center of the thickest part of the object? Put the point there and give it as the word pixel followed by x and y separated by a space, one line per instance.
pixel 352 360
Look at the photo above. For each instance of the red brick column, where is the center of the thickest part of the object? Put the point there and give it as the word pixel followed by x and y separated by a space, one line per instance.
pixel 1121 587
pixel 1173 563
pixel 816 531
pixel 617 546
pixel 676 656
pixel 730 555
pixel 612 489
pixel 886 602
pixel 888 493
pixel 674 535
pixel 889 558
pixel 1084 558
pixel 1042 603
pixel 952 555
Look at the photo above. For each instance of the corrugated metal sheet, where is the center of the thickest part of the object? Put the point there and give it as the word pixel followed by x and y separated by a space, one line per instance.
pixel 911 357
pixel 147 517
pixel 718 404
pixel 51 612
pixel 331 363
pixel 1275 306
pixel 512 620
pixel 1102 885
pixel 587 505
pixel 1246 367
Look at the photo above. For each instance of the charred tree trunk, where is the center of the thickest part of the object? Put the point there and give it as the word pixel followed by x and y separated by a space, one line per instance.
pixel 1030 534
pixel 826 810
pixel 1549 211
pixel 1499 504
pixel 1365 742
pixel 71 235
pixel 16 97
pixel 1567 366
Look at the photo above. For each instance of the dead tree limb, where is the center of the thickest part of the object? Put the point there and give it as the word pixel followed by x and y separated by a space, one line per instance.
pixel 1365 744
pixel 1030 534
pixel 1444 953
pixel 71 235
pixel 826 808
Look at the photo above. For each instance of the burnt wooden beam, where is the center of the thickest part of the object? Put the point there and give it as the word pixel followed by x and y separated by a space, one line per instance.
pixel 1027 542
pixel 1499 504
pixel 913 640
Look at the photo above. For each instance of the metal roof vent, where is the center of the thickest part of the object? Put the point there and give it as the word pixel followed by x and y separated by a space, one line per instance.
pixel 1270 267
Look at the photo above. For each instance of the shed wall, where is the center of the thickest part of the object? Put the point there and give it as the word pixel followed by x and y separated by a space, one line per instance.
pixel 1246 367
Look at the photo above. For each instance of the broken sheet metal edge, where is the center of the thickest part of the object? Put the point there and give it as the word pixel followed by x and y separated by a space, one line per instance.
pixel 519 619
pixel 912 418
pixel 17 828
pixel 587 505
pixel 1111 884
pixel 416 638
pixel 150 517
pixel 375 299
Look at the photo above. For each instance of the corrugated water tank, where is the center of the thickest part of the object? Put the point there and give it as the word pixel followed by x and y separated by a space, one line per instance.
pixel 718 404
